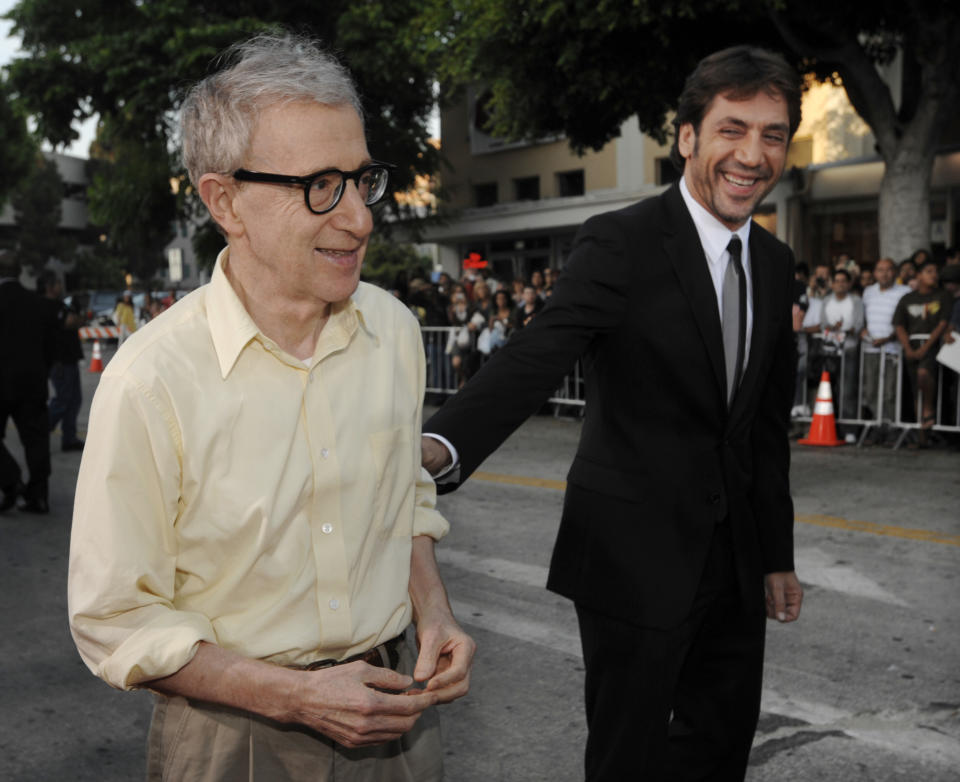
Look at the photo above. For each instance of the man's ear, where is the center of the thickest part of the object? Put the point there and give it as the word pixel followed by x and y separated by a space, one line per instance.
pixel 686 140
pixel 218 192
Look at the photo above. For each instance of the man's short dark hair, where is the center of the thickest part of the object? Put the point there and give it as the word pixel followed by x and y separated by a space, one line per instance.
pixel 842 273
pixel 924 264
pixel 801 267
pixel 737 73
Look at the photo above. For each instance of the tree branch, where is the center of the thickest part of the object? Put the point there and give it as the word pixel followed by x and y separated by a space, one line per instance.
pixel 868 93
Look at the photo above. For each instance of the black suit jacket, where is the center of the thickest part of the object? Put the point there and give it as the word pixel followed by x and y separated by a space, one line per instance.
pixel 661 458
pixel 27 343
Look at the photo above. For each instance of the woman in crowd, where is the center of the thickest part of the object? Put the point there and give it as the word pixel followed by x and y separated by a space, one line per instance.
pixel 482 300
pixel 462 343
pixel 500 321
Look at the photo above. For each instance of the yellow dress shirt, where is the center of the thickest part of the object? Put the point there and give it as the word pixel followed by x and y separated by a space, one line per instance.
pixel 232 493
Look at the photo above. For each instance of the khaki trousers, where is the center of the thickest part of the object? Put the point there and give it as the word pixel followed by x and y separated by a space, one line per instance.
pixel 193 741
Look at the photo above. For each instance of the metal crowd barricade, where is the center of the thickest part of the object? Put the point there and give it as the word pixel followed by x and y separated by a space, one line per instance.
pixel 947 407
pixel 442 379
pixel 867 414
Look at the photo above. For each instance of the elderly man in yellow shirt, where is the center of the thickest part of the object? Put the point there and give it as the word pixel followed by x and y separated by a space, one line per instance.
pixel 253 533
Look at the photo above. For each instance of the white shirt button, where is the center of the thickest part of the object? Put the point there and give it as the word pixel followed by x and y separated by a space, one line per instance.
pixel 334 604
pixel 324 453
pixel 327 528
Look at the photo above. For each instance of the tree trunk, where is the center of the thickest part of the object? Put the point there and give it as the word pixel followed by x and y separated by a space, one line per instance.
pixel 904 202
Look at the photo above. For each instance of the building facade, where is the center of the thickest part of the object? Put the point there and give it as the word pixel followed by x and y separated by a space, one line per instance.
pixel 519 205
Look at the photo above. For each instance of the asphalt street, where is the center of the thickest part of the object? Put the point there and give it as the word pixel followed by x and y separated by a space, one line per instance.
pixel 866 686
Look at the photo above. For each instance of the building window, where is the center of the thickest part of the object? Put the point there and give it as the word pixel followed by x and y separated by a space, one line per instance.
pixel 527 188
pixel 76 191
pixel 667 173
pixel 570 183
pixel 485 194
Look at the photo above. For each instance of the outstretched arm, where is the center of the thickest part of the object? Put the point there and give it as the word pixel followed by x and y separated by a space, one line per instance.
pixel 588 301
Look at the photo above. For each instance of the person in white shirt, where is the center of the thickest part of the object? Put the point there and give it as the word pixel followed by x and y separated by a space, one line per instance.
pixel 841 322
pixel 881 351
pixel 808 353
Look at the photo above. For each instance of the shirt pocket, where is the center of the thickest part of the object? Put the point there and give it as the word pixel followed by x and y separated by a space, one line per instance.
pixel 395 480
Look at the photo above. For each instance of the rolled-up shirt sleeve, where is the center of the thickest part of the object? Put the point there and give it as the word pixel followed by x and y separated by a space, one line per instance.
pixel 123 549
pixel 427 520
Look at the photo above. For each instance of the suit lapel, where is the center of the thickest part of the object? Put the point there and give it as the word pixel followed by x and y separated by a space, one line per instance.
pixel 682 245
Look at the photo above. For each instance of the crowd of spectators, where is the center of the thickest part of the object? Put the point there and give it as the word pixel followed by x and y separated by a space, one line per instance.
pixel 860 323
pixel 857 322
pixel 482 310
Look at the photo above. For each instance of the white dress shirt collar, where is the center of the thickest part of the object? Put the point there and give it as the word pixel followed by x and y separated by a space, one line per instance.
pixel 714 235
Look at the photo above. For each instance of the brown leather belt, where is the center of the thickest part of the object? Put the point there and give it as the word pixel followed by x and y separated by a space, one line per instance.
pixel 386 655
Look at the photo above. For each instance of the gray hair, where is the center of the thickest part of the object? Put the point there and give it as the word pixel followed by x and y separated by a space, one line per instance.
pixel 219 113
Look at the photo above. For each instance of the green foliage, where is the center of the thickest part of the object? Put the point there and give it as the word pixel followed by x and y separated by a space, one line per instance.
pixel 583 67
pixel 37 209
pixel 98 268
pixel 17 149
pixel 578 67
pixel 131 200
pixel 131 62
pixel 385 260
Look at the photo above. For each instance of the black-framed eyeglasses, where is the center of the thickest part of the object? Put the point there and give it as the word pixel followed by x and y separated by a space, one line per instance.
pixel 323 190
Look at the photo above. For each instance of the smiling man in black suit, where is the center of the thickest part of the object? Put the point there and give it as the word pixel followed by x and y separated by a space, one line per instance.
pixel 677 531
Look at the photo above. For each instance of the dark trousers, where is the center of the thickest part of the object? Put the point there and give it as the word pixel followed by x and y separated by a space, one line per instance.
pixel 677 704
pixel 30 418
pixel 65 405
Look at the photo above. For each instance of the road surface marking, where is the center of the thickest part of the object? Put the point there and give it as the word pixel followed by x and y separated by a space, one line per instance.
pixel 925 736
pixel 514 625
pixel 907 732
pixel 818 568
pixel 815 567
pixel 520 480
pixel 503 569
pixel 818 519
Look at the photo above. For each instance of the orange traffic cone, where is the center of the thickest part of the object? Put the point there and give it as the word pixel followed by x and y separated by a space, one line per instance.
pixel 823 427
pixel 96 363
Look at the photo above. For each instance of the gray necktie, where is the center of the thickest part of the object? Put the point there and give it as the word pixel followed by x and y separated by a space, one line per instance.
pixel 734 304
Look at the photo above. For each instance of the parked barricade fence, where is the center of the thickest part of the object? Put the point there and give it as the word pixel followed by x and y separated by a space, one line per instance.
pixel 102 332
pixel 873 400
pixel 853 406
pixel 442 378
